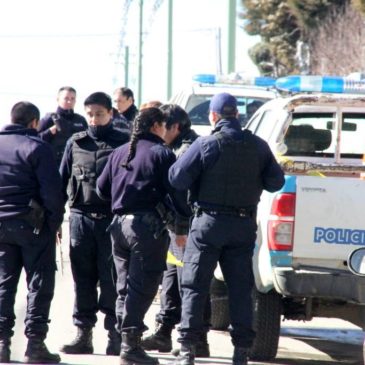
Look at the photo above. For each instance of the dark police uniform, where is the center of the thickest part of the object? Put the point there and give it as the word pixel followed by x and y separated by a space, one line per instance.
pixel 139 235
pixel 85 156
pixel 120 121
pixel 226 173
pixel 27 171
pixel 170 312
pixel 68 122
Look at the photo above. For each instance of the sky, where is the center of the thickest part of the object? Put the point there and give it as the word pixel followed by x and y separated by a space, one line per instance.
pixel 46 44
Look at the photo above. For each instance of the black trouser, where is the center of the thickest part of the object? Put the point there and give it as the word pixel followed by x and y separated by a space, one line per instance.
pixel 20 247
pixel 140 260
pixel 91 262
pixel 170 311
pixel 229 240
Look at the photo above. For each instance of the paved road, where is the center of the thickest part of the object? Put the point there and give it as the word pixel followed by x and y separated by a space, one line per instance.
pixel 320 342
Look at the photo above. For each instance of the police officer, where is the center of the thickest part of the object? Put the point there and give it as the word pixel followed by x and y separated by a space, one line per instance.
pixel 124 103
pixel 56 128
pixel 31 211
pixel 85 156
pixel 226 173
pixel 135 179
pixel 179 136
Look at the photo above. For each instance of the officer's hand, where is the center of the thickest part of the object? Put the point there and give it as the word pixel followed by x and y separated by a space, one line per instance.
pixel 181 240
pixel 59 233
pixel 53 129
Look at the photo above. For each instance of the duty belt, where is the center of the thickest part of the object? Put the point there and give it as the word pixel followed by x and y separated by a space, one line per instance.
pixel 239 212
pixel 98 215
pixel 151 219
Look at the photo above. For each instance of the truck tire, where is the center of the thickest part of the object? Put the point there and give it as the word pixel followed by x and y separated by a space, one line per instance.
pixel 219 305
pixel 266 320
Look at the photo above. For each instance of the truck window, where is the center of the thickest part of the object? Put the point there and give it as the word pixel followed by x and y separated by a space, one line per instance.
pixel 197 108
pixel 265 125
pixel 314 134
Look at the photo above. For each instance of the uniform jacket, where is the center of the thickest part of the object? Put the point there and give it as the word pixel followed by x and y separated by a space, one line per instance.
pixel 130 113
pixel 188 170
pixel 68 124
pixel 28 171
pixel 179 147
pixel 145 184
pixel 85 156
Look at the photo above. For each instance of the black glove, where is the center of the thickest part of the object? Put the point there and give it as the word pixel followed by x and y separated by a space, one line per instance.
pixel 59 122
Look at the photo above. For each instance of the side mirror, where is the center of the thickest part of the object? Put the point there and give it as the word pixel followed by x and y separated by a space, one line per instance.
pixel 356 261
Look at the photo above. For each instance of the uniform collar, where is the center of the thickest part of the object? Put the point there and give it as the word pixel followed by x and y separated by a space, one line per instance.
pixel 66 113
pixel 152 137
pixel 231 123
pixel 181 137
pixel 18 129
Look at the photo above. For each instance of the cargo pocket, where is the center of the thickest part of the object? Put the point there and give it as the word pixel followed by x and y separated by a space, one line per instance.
pixel 191 270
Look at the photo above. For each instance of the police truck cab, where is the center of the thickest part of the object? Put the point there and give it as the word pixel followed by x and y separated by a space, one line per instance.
pixel 307 230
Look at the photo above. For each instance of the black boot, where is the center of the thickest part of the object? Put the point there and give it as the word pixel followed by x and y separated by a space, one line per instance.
pixel 201 348
pixel 5 350
pixel 132 353
pixel 160 340
pixel 186 355
pixel 37 353
pixel 240 356
pixel 114 343
pixel 82 344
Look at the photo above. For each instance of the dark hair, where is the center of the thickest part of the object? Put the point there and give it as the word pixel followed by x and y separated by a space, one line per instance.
pixel 67 88
pixel 24 113
pixel 141 125
pixel 99 98
pixel 175 114
pixel 125 91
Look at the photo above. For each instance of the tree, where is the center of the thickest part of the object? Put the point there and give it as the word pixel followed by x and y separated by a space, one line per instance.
pixel 274 22
pixel 317 26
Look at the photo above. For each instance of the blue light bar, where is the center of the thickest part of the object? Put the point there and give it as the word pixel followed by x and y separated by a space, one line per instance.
pixel 324 84
pixel 254 81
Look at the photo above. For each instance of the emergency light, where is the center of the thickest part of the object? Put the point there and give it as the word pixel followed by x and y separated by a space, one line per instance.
pixel 236 79
pixel 324 84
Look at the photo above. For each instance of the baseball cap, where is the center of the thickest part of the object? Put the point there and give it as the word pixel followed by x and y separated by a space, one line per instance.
pixel 223 104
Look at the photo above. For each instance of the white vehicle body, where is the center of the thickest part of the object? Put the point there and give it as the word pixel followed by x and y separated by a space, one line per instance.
pixel 195 100
pixel 307 230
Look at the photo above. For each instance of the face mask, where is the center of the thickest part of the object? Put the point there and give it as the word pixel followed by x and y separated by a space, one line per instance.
pixel 99 130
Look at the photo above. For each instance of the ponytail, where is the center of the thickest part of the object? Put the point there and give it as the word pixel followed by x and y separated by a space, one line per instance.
pixel 142 125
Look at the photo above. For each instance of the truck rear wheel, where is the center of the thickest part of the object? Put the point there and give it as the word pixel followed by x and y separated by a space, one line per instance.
pixel 267 317
pixel 219 305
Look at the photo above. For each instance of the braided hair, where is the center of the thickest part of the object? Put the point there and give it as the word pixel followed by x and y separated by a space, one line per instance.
pixel 142 125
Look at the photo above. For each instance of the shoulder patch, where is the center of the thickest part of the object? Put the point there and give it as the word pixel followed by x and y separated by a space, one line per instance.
pixel 79 135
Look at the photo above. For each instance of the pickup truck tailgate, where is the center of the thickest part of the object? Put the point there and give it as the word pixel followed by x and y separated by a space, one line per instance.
pixel 329 221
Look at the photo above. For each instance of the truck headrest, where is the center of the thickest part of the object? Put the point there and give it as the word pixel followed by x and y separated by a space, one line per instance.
pixel 305 139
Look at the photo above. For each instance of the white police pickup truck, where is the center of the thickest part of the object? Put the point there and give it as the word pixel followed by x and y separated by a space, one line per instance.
pixel 251 93
pixel 307 230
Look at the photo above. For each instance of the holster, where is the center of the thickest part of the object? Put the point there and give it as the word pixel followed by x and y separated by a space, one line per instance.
pixel 35 217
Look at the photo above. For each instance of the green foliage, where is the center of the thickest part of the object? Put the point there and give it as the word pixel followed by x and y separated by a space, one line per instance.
pixel 282 23
pixel 310 13
pixel 277 26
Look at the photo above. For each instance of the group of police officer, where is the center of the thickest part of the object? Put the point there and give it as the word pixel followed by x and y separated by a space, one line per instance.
pixel 131 197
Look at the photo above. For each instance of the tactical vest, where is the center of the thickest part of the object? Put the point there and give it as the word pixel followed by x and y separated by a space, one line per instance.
pixel 235 180
pixel 89 159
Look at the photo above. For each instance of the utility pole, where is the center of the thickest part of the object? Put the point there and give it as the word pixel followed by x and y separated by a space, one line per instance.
pixel 126 66
pixel 169 48
pixel 140 46
pixel 231 42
